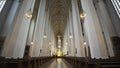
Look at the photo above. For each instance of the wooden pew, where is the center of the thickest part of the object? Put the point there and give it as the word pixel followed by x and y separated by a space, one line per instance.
pixel 104 63
pixel 82 62
pixel 77 62
pixel 34 62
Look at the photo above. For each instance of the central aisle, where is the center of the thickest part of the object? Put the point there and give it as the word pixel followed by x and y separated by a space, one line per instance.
pixel 56 63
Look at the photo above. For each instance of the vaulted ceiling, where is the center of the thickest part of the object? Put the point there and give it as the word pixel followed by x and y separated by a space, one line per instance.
pixel 58 10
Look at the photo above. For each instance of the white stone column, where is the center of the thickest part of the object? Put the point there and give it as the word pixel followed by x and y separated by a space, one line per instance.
pixel 106 23
pixel 15 43
pixel 51 36
pixel 65 40
pixel 68 42
pixel 93 31
pixel 77 29
pixel 72 46
pixel 42 44
pixel 38 36
pixel 86 41
pixel 53 41
pixel 46 40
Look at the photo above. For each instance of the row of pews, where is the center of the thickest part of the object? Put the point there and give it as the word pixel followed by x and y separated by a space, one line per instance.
pixel 76 62
pixel 81 62
pixel 35 62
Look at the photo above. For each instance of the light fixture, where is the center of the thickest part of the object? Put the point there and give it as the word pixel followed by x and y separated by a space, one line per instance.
pixel 28 14
pixel 32 43
pixel 84 43
pixel 59 40
pixel 66 43
pixel 83 15
pixel 71 36
pixel 50 43
pixel 59 47
pixel 45 36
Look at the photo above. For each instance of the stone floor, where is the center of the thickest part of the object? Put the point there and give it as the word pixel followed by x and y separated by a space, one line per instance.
pixel 56 63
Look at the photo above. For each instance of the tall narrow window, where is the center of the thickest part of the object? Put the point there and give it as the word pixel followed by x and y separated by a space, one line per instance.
pixel 116 4
pixel 2 3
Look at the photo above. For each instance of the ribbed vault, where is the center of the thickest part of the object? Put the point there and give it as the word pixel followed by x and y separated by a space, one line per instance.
pixel 58 10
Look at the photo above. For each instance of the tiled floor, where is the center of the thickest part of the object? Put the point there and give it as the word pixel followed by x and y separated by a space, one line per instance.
pixel 56 63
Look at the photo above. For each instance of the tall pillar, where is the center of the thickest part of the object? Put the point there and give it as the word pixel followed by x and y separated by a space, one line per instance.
pixel 51 36
pixel 15 42
pixel 31 32
pixel 77 30
pixel 72 46
pixel 45 45
pixel 38 35
pixel 66 42
pixel 107 25
pixel 93 31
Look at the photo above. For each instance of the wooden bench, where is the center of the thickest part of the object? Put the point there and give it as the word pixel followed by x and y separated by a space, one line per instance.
pixel 82 62
pixel 34 62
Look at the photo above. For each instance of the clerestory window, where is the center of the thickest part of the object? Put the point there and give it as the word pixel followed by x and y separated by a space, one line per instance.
pixel 2 3
pixel 116 4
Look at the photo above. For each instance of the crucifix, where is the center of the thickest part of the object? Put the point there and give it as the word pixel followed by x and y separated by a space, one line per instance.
pixel 59 41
